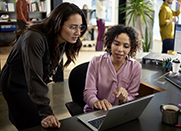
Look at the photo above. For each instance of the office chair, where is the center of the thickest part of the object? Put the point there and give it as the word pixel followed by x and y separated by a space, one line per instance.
pixel 76 86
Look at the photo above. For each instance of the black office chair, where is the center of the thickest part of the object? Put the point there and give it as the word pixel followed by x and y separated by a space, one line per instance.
pixel 76 86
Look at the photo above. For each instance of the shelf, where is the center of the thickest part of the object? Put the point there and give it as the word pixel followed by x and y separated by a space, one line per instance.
pixel 7 37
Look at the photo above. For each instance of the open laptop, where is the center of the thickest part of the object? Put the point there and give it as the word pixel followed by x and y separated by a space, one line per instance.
pixel 116 115
pixel 174 78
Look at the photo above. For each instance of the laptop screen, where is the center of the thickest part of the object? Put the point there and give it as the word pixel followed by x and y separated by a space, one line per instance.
pixel 177 40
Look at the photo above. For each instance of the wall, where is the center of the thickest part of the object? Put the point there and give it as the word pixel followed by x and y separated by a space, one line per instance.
pixel 48 4
pixel 156 29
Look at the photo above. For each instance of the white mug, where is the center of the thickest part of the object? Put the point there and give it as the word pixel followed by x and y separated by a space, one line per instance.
pixel 175 65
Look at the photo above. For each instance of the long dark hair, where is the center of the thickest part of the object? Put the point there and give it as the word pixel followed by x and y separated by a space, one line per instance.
pixel 52 25
pixel 134 36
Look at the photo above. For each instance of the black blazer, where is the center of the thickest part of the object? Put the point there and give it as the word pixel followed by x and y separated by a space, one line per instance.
pixel 28 64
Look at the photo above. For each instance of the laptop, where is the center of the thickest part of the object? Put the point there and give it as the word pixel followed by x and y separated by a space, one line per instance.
pixel 102 120
pixel 174 78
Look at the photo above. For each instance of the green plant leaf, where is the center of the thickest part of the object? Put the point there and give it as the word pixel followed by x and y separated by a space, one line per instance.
pixel 143 9
pixel 147 42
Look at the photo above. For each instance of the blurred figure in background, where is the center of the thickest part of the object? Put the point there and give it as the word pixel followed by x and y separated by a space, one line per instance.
pixel 85 10
pixel 22 14
pixel 166 22
pixel 101 15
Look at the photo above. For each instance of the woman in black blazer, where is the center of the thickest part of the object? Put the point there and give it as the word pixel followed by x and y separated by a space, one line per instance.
pixel 35 56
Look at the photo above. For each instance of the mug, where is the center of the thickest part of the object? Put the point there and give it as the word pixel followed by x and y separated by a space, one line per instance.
pixel 170 114
pixel 175 66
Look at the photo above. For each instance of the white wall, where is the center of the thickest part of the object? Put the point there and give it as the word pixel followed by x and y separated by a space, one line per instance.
pixel 48 5
pixel 115 7
pixel 156 27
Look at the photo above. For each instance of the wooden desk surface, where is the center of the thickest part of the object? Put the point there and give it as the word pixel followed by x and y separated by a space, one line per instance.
pixel 150 120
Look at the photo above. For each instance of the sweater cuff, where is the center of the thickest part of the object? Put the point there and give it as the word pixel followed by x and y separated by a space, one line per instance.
pixel 130 98
pixel 92 101
pixel 45 111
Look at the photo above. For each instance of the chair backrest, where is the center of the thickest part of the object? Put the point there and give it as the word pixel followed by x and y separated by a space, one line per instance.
pixel 77 83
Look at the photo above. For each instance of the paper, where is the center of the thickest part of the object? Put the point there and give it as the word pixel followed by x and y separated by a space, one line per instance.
pixel 11 7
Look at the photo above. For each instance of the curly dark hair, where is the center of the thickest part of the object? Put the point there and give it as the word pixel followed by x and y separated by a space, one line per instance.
pixel 116 30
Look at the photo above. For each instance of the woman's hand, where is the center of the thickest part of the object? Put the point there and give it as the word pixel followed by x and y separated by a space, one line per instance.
pixel 122 94
pixel 178 2
pixel 103 104
pixel 50 121
pixel 29 22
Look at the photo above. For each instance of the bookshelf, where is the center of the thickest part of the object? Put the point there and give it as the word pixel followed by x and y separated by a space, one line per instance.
pixel 37 12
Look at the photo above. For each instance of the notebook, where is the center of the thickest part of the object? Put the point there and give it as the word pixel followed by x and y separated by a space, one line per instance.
pixel 116 115
pixel 174 78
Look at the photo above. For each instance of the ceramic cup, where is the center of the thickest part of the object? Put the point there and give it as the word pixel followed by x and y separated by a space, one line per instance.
pixel 170 114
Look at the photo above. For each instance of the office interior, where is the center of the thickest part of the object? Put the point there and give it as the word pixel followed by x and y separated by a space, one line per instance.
pixel 59 94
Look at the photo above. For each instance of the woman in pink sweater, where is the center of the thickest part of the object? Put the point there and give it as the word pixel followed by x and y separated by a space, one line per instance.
pixel 114 77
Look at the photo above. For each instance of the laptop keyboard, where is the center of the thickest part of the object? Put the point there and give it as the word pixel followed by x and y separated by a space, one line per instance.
pixel 97 122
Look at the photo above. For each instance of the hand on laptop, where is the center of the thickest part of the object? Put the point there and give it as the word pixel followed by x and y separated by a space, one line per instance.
pixel 102 104
pixel 122 94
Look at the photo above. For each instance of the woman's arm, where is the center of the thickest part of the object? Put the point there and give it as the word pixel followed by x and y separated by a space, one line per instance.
pixel 33 52
pixel 127 92
pixel 135 83
pixel 90 91
pixel 91 87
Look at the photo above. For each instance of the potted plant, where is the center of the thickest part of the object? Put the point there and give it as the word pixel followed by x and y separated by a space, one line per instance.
pixel 139 11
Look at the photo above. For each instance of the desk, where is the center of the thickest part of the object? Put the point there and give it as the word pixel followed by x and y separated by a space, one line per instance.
pixel 150 120
pixel 154 56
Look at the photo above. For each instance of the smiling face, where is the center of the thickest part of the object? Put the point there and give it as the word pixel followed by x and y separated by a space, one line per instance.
pixel 66 32
pixel 120 48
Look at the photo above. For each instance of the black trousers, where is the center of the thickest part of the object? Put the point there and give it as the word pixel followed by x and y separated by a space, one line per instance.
pixel 21 25
pixel 22 111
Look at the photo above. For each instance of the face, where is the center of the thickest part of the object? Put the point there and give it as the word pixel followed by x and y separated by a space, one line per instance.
pixel 169 1
pixel 85 7
pixel 120 48
pixel 71 28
